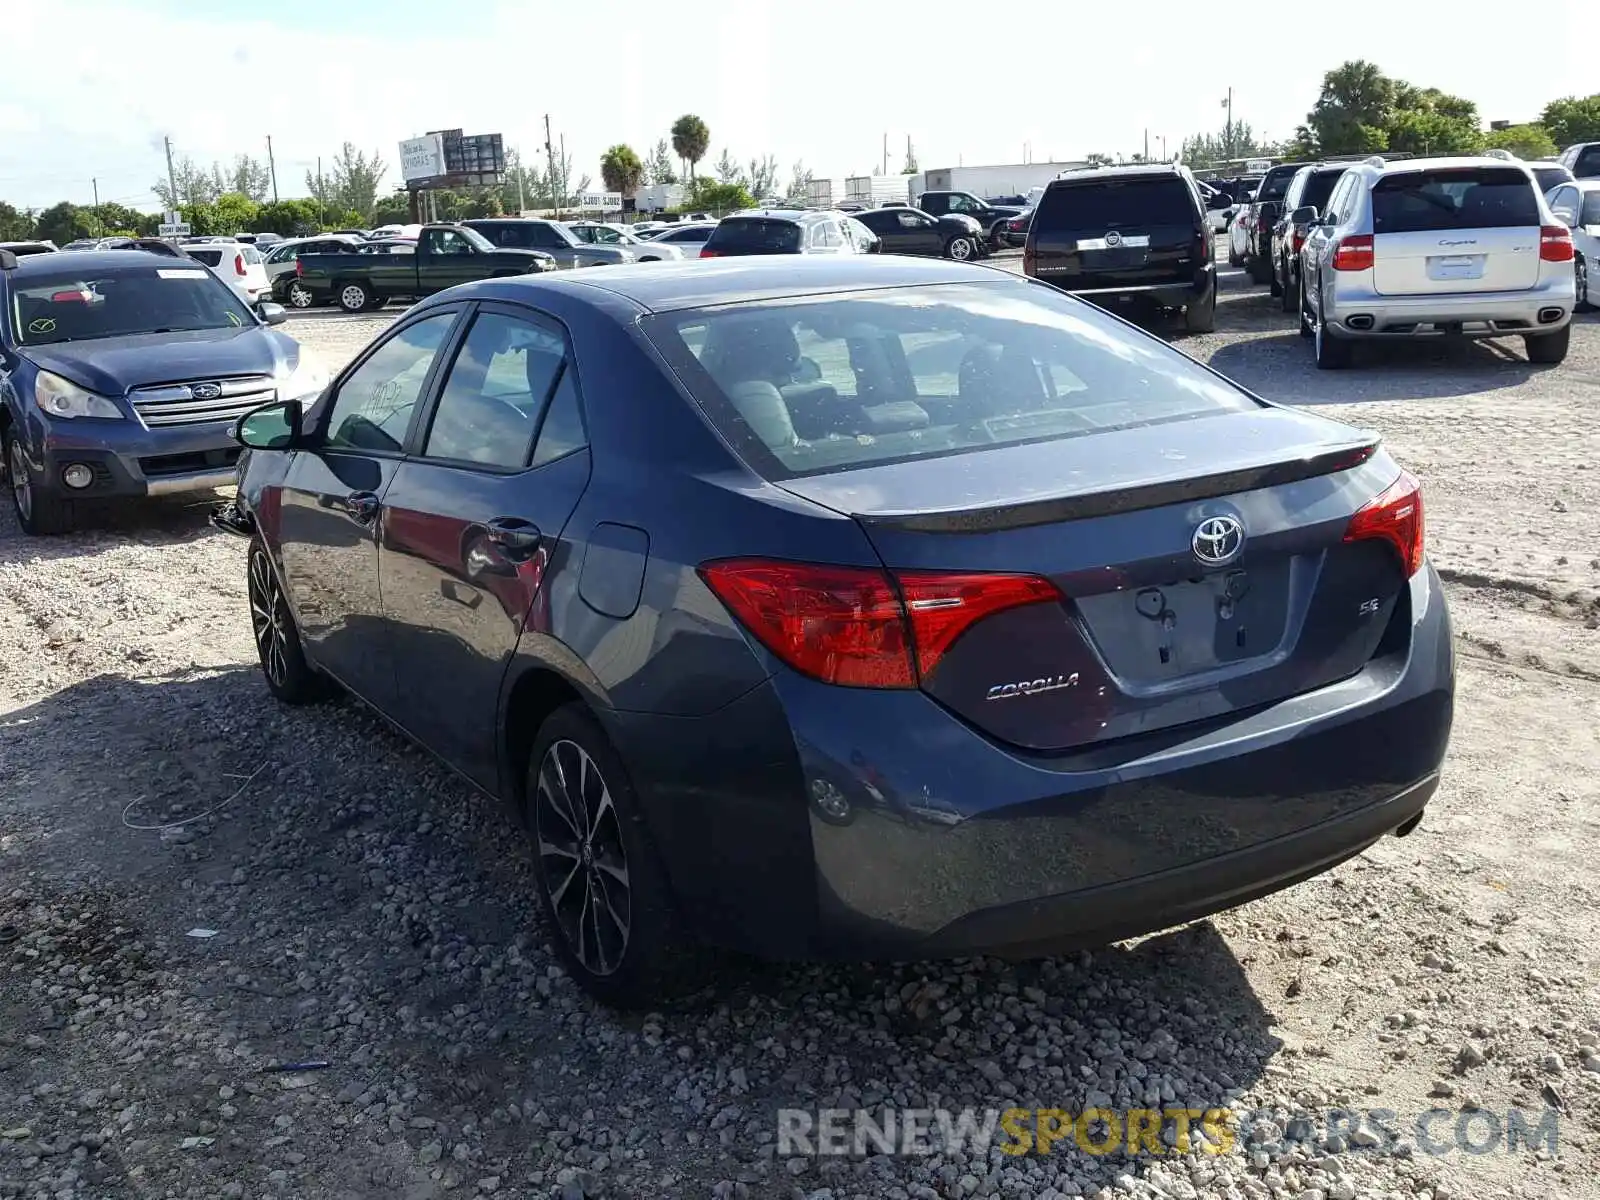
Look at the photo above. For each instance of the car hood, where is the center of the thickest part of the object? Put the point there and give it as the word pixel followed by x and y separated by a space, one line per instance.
pixel 111 366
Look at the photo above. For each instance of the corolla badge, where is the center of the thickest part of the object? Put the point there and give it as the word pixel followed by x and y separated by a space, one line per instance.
pixel 1032 687
pixel 1218 540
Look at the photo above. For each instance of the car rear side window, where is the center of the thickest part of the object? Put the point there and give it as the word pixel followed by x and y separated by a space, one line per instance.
pixel 496 391
pixel 755 235
pixel 803 387
pixel 1453 198
pixel 1116 204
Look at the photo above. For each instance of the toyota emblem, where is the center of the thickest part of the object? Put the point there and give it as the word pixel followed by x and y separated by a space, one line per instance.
pixel 1218 540
pixel 1113 238
pixel 205 391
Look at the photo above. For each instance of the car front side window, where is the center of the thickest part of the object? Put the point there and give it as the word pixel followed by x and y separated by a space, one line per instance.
pixel 373 406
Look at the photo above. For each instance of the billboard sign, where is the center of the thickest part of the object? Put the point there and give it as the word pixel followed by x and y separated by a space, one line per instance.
pixel 603 200
pixel 422 158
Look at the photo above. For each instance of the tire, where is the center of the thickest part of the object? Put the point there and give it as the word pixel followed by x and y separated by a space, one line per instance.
pixel 299 296
pixel 1306 328
pixel 354 297
pixel 1332 353
pixel 1259 272
pixel 1580 268
pixel 1548 349
pixel 1274 287
pixel 1290 295
pixel 1233 253
pixel 1201 317
pixel 588 833
pixel 962 249
pixel 39 513
pixel 290 678
pixel 377 303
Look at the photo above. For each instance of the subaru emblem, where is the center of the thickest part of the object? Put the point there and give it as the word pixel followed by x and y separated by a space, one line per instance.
pixel 205 391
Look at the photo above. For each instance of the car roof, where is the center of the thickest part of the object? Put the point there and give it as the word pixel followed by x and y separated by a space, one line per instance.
pixel 1134 170
pixel 658 287
pixel 83 261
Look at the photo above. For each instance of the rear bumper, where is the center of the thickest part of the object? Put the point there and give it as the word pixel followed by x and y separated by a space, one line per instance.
pixel 1485 314
pixel 805 821
pixel 1167 294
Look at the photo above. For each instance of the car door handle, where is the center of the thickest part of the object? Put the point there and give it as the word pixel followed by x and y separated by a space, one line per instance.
pixel 516 539
pixel 362 507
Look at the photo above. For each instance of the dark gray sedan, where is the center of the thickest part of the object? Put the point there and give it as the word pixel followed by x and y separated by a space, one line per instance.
pixel 554 238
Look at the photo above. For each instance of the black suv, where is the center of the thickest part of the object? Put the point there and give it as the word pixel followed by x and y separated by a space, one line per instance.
pixel 782 231
pixel 1122 235
pixel 1303 202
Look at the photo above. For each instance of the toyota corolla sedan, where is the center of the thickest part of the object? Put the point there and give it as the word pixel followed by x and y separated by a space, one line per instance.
pixel 853 607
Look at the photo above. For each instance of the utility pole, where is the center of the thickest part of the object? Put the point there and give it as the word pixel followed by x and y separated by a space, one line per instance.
pixel 550 154
pixel 322 217
pixel 522 203
pixel 172 179
pixel 566 183
pixel 99 225
pixel 1147 144
pixel 1227 135
pixel 885 154
pixel 272 168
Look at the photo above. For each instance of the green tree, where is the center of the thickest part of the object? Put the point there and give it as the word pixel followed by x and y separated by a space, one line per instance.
pixel 195 185
pixel 763 176
pixel 288 218
pixel 393 209
pixel 621 170
pixel 1356 99
pixel 1572 119
pixel 236 213
pixel 1525 141
pixel 719 197
pixel 658 167
pixel 1422 131
pixel 202 219
pixel 114 218
pixel 65 222
pixel 1235 140
pixel 351 183
pixel 728 169
pixel 799 177
pixel 16 225
pixel 691 138
pixel 250 177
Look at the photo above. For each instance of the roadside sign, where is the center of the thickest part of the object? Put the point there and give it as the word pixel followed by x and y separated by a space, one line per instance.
pixel 604 200
pixel 422 158
pixel 1258 166
pixel 173 229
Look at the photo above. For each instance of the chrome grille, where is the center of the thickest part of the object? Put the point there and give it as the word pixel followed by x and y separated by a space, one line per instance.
pixel 176 403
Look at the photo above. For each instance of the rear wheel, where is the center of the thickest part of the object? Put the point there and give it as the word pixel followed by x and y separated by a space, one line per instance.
pixel 604 895
pixel 1290 293
pixel 299 296
pixel 354 297
pixel 39 512
pixel 1333 352
pixel 962 249
pixel 1581 267
pixel 1201 316
pixel 1307 326
pixel 283 662
pixel 1233 253
pixel 1274 287
pixel 1259 271
pixel 1548 348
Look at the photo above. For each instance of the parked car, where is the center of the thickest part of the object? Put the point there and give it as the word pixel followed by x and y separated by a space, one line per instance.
pixel 597 233
pixel 912 231
pixel 1582 159
pixel 963 566
pixel 1303 203
pixel 1457 247
pixel 861 238
pixel 779 231
pixel 378 272
pixel 1577 206
pixel 279 263
pixel 1250 233
pixel 1127 236
pixel 646 229
pixel 549 237
pixel 990 216
pixel 121 373
pixel 1550 175
pixel 21 249
pixel 82 244
pixel 687 236
pixel 236 264
pixel 1015 232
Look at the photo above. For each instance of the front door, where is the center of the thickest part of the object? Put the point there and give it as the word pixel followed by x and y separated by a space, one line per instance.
pixel 332 504
pixel 919 234
pixel 445 258
pixel 473 523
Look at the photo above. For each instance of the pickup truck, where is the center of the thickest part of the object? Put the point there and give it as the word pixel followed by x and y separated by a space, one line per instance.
pixel 992 217
pixel 445 255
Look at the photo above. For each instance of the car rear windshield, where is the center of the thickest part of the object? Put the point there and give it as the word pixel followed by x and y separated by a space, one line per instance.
pixel 1116 204
pixel 831 383
pixel 67 306
pixel 1454 198
pixel 1588 164
pixel 1549 177
pixel 756 235
pixel 1591 209
pixel 1275 184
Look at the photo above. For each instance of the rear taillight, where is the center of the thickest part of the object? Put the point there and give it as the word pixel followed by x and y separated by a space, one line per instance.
pixel 1030 259
pixel 1299 241
pixel 707 252
pixel 1394 516
pixel 1555 244
pixel 860 626
pixel 1202 245
pixel 299 267
pixel 1353 253
pixel 238 264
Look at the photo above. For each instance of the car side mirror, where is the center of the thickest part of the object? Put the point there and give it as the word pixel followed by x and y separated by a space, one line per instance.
pixel 272 313
pixel 271 427
pixel 1305 216
pixel 1565 215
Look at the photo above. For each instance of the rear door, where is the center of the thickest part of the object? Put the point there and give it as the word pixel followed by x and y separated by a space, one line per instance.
pixel 332 504
pixel 1455 229
pixel 473 522
pixel 1106 235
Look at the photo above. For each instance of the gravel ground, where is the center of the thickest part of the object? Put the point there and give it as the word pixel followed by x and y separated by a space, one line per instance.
pixel 370 913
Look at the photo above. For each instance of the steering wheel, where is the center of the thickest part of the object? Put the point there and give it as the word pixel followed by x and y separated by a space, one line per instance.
pixel 479 424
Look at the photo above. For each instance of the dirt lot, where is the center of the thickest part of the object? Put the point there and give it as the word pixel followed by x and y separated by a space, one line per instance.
pixel 372 914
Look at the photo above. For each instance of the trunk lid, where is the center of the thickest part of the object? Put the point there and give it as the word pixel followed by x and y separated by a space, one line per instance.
pixel 1204 572
pixel 1453 230
pixel 1126 232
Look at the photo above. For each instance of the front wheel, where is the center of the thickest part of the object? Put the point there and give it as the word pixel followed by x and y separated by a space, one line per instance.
pixel 289 676
pixel 1233 253
pixel 604 896
pixel 1581 268
pixel 40 513
pixel 1274 286
pixel 1201 317
pixel 1333 352
pixel 962 249
pixel 1548 349
pixel 1290 293
pixel 354 297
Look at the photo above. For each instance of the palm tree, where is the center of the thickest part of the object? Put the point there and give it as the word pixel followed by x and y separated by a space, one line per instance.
pixel 691 139
pixel 621 169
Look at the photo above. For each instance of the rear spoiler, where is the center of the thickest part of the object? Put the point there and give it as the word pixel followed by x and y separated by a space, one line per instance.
pixel 1125 500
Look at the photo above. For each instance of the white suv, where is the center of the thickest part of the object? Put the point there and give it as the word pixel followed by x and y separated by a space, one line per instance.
pixel 1463 247
pixel 237 264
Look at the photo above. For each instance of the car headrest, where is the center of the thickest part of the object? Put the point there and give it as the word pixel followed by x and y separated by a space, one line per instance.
pixel 763 409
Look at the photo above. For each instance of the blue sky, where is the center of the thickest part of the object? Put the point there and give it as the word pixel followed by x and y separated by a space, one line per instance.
pixel 91 87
